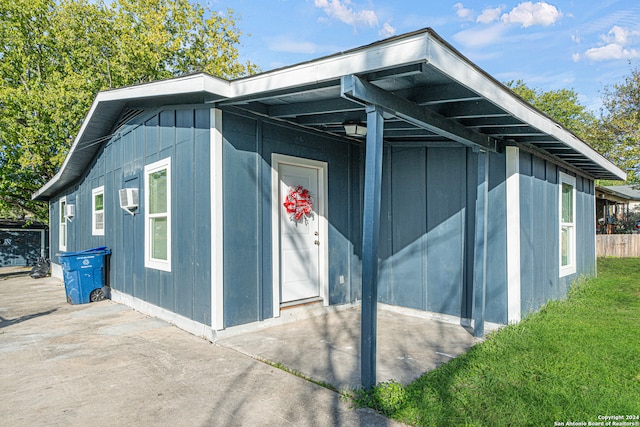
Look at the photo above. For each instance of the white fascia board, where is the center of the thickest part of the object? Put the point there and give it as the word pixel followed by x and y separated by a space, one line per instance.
pixel 455 66
pixel 402 51
pixel 176 86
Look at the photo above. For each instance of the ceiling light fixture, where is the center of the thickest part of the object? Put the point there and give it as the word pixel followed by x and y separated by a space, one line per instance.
pixel 354 128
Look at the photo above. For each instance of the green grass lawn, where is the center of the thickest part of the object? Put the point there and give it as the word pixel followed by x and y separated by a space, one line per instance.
pixel 572 361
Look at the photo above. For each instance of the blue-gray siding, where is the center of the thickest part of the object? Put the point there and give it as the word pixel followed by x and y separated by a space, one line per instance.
pixel 427 222
pixel 183 135
pixel 248 145
pixel 427 231
pixel 539 235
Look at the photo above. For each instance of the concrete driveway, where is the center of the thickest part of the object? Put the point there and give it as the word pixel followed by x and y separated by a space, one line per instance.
pixel 103 364
pixel 106 364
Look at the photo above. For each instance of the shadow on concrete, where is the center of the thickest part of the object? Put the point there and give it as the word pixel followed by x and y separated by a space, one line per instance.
pixel 8 273
pixel 326 347
pixel 8 322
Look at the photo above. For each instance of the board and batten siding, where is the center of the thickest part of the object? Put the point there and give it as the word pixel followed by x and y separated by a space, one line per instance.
pixel 539 235
pixel 426 262
pixel 181 134
pixel 427 231
pixel 249 143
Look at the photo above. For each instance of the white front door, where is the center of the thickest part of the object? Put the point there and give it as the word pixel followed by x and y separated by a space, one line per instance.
pixel 299 232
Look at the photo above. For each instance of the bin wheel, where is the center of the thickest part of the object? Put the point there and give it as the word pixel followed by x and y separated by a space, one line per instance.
pixel 96 295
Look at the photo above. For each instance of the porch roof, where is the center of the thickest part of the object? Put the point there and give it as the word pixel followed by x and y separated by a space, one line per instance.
pixel 431 95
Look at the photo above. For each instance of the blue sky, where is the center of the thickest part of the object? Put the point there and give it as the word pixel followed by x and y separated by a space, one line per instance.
pixel 581 45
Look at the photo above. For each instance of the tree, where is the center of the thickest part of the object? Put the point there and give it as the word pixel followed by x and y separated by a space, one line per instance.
pixel 55 56
pixel 561 105
pixel 619 136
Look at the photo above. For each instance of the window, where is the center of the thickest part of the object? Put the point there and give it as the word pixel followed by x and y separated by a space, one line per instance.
pixel 63 225
pixel 157 230
pixel 97 209
pixel 567 224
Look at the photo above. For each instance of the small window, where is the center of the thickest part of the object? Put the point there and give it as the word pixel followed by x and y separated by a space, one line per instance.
pixel 567 215
pixel 62 243
pixel 97 209
pixel 157 185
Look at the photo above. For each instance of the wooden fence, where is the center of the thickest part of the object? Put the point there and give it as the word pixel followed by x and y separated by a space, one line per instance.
pixel 618 245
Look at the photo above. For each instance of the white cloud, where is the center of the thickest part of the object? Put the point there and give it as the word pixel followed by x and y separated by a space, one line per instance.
pixel 620 36
pixel 489 15
pixel 528 14
pixel 343 11
pixel 479 37
pixel 387 30
pixel 610 51
pixel 292 44
pixel 463 12
pixel 618 44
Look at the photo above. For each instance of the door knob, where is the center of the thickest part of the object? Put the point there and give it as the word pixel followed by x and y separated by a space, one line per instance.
pixel 316 242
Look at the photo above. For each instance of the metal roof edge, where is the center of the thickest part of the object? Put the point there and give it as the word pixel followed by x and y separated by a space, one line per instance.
pixel 448 60
pixel 379 55
pixel 614 191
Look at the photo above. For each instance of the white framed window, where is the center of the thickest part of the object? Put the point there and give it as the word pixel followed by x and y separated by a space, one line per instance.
pixel 97 211
pixel 62 229
pixel 157 216
pixel 567 214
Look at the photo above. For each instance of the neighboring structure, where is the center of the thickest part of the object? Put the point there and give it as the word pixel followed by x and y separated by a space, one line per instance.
pixel 22 242
pixel 614 208
pixel 462 199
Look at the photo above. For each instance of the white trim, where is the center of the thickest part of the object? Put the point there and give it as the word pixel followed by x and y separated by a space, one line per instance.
pixel 149 262
pixel 191 326
pixel 57 271
pixel 95 192
pixel 66 224
pixel 217 230
pixel 437 317
pixel 323 224
pixel 513 235
pixel 571 268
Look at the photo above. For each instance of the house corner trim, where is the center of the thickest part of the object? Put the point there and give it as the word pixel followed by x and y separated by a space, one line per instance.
pixel 217 234
pixel 513 235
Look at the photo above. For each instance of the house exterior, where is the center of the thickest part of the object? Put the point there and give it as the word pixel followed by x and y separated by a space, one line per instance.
pixel 22 242
pixel 614 208
pixel 462 199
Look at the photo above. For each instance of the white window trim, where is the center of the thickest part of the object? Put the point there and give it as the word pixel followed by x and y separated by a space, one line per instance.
pixel 164 265
pixel 94 230
pixel 571 268
pixel 62 225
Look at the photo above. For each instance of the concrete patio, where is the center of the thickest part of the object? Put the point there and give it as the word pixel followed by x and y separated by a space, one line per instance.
pixel 326 347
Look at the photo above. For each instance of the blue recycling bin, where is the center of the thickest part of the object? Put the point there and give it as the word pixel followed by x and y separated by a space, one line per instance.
pixel 84 273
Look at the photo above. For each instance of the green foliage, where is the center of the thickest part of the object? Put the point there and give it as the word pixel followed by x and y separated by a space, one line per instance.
pixel 56 55
pixel 619 136
pixel 386 397
pixel 571 361
pixel 561 105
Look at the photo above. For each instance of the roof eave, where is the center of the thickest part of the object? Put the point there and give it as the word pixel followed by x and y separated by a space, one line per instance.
pixel 112 101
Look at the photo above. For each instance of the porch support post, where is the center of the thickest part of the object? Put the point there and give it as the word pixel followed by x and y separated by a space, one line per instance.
pixel 370 238
pixel 480 245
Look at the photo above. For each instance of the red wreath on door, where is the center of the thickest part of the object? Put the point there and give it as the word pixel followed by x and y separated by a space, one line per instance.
pixel 298 203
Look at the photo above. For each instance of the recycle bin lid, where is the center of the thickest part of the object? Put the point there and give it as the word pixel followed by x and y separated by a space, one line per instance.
pixel 86 251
